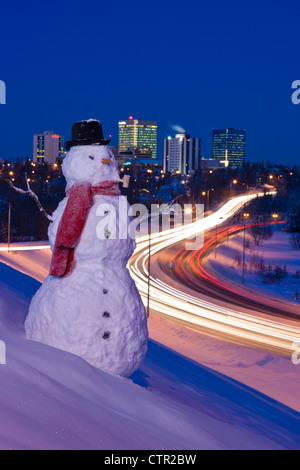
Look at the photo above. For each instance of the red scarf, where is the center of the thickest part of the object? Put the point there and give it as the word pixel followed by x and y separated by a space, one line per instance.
pixel 72 223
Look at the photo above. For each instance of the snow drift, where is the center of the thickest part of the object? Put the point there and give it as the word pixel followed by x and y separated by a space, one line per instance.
pixel 51 399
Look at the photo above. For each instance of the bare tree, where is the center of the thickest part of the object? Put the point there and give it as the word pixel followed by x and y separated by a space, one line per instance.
pixel 32 194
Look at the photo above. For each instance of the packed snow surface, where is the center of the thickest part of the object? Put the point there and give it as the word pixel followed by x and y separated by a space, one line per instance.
pixel 261 261
pixel 52 399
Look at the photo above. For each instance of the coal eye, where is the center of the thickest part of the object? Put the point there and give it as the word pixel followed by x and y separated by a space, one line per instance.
pixel 91 157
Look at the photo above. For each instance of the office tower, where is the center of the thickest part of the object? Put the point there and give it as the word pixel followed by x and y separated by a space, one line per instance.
pixel 137 134
pixel 229 146
pixel 182 153
pixel 47 147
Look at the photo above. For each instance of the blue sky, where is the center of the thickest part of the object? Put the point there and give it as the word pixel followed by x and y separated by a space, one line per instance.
pixel 201 65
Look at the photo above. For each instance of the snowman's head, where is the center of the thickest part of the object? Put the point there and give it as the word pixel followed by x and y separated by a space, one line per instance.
pixel 90 164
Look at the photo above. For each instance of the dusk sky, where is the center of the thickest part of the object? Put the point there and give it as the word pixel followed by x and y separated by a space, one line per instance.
pixel 196 64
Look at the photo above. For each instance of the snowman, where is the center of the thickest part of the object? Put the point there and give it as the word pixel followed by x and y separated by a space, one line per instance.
pixel 89 304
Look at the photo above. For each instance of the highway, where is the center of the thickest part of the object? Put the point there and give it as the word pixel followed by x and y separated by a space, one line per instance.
pixel 190 270
pixel 188 294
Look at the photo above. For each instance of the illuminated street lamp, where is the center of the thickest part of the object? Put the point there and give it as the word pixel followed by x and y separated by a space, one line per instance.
pixel 246 216
pixel 207 196
pixel 149 254
pixel 275 216
pixel 233 183
pixel 216 244
pixel 8 223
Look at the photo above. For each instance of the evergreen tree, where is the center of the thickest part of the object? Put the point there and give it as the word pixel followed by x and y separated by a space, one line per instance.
pixel 293 219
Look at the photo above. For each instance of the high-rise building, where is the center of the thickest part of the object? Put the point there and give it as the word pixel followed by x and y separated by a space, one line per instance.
pixel 137 134
pixel 47 147
pixel 182 153
pixel 229 146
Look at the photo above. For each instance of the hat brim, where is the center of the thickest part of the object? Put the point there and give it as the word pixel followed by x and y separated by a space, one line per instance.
pixel 74 143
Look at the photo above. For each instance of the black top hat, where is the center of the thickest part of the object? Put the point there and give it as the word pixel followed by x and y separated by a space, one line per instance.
pixel 86 133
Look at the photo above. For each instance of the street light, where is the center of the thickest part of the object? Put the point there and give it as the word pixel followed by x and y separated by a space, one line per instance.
pixel 216 244
pixel 246 215
pixel 207 193
pixel 233 183
pixel 8 223
pixel 149 256
pixel 207 197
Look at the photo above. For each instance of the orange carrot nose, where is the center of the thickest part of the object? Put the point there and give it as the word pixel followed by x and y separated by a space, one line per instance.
pixel 106 161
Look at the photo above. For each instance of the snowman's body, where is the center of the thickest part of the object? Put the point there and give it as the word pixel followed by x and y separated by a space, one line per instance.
pixel 96 312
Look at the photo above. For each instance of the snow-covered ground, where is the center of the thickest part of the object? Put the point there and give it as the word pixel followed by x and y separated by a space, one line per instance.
pixel 275 252
pixel 50 399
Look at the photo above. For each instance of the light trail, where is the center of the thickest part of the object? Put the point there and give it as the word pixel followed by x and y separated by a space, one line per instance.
pixel 207 316
pixel 199 271
pixel 253 329
pixel 22 247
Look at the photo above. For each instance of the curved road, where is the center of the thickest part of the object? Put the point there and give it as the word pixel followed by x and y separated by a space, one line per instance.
pixel 190 270
pixel 190 295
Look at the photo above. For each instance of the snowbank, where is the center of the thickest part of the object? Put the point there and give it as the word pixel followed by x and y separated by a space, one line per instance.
pixel 50 399
pixel 277 251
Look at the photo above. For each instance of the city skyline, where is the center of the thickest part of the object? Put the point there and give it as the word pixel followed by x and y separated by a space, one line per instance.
pixel 115 141
pixel 213 149
pixel 238 64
